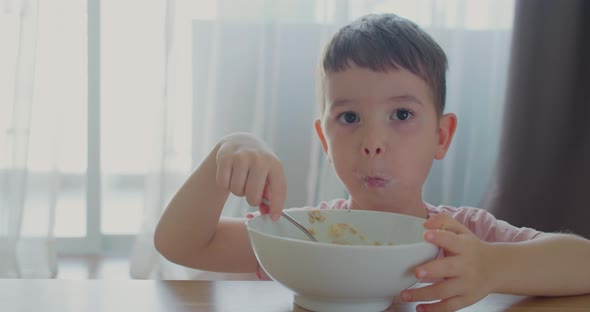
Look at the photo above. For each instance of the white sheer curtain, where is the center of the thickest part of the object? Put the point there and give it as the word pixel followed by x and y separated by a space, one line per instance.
pixel 237 65
pixel 225 66
pixel 27 245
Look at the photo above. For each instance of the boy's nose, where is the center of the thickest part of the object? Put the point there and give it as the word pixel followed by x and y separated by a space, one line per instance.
pixel 373 141
pixel 372 151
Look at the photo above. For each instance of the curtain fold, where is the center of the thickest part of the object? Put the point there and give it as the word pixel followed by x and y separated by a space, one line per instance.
pixel 227 66
pixel 27 245
pixel 542 176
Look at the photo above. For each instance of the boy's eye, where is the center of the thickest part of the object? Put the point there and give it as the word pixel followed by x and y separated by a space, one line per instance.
pixel 402 114
pixel 348 117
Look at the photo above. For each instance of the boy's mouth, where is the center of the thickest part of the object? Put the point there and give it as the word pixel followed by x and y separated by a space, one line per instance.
pixel 375 182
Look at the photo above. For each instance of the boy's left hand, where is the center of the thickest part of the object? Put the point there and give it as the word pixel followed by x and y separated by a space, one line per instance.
pixel 463 274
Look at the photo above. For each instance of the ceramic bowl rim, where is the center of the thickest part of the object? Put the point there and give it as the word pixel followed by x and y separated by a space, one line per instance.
pixel 324 244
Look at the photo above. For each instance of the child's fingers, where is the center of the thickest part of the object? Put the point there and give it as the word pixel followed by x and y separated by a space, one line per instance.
pixel 255 185
pixel 224 165
pixel 447 267
pixel 438 291
pixel 445 222
pixel 265 204
pixel 448 241
pixel 239 174
pixel 277 192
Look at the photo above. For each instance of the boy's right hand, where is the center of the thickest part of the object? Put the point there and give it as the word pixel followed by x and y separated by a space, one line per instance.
pixel 247 167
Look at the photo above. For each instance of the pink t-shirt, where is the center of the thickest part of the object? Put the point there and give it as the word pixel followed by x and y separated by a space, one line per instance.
pixel 482 223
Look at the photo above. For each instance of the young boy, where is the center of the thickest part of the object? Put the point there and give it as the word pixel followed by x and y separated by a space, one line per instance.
pixel 382 124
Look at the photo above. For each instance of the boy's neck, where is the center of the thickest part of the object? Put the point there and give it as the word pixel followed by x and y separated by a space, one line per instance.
pixel 413 207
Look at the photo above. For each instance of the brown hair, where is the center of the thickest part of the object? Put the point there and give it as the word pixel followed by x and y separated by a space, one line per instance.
pixel 381 42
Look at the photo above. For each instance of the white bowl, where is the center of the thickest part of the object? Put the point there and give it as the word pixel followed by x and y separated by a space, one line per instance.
pixel 333 277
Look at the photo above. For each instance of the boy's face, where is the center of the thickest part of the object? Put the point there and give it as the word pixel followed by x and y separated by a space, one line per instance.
pixel 381 132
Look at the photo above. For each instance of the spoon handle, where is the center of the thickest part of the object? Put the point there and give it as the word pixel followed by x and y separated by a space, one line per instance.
pixel 293 221
pixel 297 224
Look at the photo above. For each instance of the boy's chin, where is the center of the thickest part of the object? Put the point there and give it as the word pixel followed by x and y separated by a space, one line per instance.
pixel 377 202
pixel 386 201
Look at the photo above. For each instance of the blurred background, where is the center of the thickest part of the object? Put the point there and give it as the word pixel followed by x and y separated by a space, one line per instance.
pixel 107 106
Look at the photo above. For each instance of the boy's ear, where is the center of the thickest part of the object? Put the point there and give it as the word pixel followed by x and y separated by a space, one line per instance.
pixel 320 133
pixel 446 130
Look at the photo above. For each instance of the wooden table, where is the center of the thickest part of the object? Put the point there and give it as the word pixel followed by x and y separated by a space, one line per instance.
pixel 174 296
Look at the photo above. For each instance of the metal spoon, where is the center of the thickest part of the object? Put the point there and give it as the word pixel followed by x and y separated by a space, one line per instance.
pixel 293 221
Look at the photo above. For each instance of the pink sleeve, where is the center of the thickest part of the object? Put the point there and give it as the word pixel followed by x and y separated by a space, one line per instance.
pixel 485 226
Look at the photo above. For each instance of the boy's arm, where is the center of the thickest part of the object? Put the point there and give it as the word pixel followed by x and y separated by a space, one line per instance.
pixel 190 232
pixel 548 265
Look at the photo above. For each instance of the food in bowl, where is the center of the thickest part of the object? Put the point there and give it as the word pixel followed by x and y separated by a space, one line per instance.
pixel 339 232
pixel 316 215
pixel 361 275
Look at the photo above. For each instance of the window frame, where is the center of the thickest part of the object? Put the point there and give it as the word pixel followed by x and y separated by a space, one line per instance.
pixel 94 242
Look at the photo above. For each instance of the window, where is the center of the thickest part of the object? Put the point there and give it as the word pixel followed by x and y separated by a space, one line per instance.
pixel 100 73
